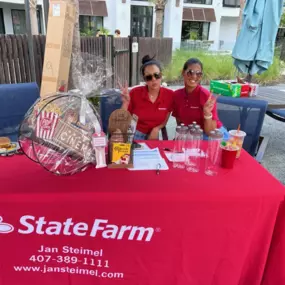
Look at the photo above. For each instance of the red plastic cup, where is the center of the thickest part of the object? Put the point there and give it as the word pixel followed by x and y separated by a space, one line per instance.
pixel 228 157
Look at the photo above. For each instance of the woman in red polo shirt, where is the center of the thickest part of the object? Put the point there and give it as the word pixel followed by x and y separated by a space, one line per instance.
pixel 193 103
pixel 151 103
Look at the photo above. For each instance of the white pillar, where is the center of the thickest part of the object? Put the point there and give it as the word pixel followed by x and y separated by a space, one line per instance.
pixel 8 20
pixel 123 17
pixel 173 22
pixel 110 21
pixel 214 34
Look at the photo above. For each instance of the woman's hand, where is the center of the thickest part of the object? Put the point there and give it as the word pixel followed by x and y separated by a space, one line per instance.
pixel 125 93
pixel 154 134
pixel 209 105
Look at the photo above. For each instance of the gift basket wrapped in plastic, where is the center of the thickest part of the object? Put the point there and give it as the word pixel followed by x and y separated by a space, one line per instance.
pixel 57 131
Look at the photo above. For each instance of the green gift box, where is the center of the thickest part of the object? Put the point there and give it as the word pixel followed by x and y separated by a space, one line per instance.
pixel 226 88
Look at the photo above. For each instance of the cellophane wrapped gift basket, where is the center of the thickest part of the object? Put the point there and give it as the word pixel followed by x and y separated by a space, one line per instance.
pixel 58 131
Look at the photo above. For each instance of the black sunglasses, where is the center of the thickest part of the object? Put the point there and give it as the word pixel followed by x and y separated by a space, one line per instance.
pixel 191 72
pixel 150 76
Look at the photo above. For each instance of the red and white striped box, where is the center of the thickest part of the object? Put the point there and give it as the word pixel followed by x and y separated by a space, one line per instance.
pixel 46 124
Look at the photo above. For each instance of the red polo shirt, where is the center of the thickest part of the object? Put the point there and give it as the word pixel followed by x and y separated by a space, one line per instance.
pixel 150 114
pixel 189 107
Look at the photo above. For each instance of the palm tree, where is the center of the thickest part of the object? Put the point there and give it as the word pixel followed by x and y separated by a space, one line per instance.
pixel 242 3
pixel 159 6
pixel 76 50
pixel 33 17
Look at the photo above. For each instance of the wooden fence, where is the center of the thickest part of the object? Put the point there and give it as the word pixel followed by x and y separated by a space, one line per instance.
pixel 116 53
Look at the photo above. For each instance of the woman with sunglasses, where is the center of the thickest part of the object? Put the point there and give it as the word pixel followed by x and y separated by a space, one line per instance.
pixel 193 103
pixel 151 103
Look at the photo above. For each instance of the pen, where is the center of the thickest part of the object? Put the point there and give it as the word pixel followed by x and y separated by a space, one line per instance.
pixel 170 150
pixel 158 169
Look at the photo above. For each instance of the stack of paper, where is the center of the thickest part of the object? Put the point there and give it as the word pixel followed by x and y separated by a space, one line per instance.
pixel 148 159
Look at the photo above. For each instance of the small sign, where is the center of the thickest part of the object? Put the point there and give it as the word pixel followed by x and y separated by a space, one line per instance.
pixel 99 140
pixel 56 10
pixel 73 139
pixel 119 119
pixel 135 47
pixel 121 153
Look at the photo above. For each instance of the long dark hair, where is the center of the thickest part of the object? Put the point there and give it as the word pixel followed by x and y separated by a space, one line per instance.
pixel 147 60
pixel 191 61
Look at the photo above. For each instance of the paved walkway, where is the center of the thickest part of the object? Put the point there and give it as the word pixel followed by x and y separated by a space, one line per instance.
pixel 274 157
pixel 274 95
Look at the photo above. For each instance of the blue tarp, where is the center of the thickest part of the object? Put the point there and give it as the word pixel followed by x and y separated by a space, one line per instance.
pixel 254 49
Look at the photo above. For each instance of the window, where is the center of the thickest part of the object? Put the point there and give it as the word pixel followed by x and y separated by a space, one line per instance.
pixel 19 21
pixel 205 2
pixel 39 18
pixel 141 21
pixel 231 3
pixel 90 24
pixel 2 27
pixel 195 31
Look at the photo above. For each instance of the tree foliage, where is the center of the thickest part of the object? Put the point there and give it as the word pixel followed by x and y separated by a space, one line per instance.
pixel 282 22
pixel 159 6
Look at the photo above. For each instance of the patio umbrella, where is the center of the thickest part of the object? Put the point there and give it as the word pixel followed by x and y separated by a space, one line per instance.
pixel 254 49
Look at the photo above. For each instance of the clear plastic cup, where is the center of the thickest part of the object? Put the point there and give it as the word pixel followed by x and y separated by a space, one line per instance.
pixel 237 138
pixel 179 146
pixel 193 151
pixel 213 153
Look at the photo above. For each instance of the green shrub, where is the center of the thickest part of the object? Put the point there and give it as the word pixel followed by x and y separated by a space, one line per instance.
pixel 216 66
pixel 282 21
pixel 87 33
pixel 272 75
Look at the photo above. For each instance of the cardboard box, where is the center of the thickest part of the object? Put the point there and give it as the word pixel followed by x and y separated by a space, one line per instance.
pixel 58 47
pixel 229 88
pixel 253 90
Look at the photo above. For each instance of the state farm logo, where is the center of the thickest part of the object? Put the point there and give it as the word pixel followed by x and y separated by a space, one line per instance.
pixel 46 124
pixel 5 228
pixel 99 228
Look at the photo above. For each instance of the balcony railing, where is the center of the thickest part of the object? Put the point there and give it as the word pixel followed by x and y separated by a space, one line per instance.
pixel 204 2
pixel 231 3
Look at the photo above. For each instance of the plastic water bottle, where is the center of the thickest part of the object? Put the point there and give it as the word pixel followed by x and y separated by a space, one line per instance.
pixel 193 151
pixel 178 156
pixel 213 153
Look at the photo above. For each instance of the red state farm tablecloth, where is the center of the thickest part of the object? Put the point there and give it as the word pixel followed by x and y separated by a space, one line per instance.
pixel 110 226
